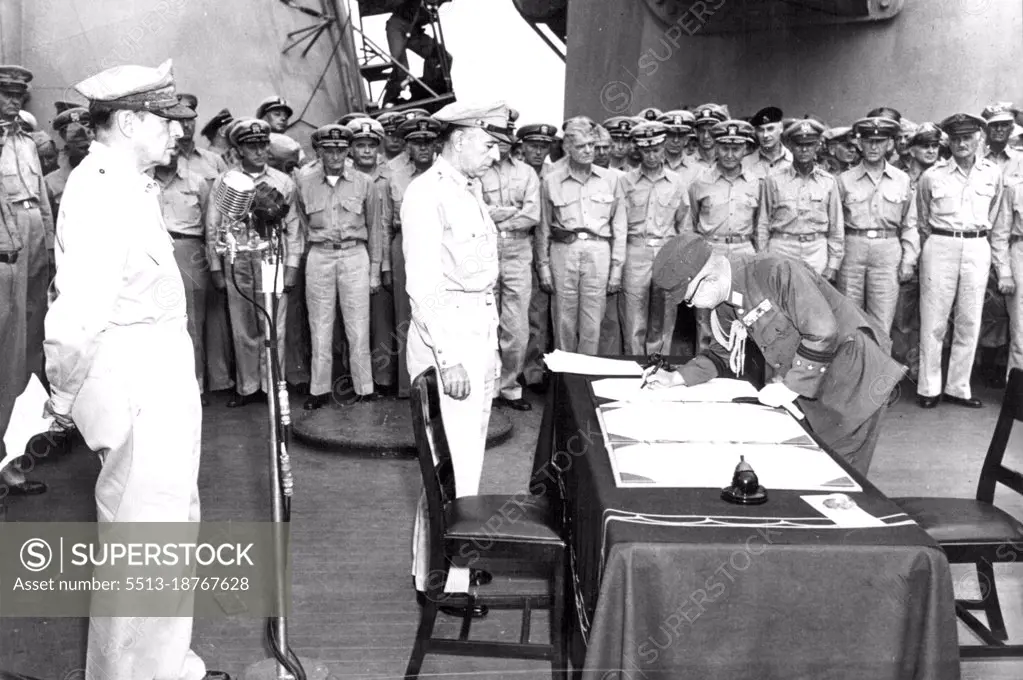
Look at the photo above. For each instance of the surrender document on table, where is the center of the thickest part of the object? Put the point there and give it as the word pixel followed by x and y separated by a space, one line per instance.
pixel 691 422
pixel 628 390
pixel 570 362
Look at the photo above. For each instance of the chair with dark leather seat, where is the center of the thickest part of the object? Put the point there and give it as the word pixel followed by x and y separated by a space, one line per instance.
pixel 503 534
pixel 975 531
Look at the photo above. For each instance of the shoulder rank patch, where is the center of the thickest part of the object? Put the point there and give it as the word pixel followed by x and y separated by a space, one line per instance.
pixel 754 315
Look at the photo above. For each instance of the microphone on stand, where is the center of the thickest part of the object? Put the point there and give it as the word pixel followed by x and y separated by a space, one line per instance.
pixel 233 199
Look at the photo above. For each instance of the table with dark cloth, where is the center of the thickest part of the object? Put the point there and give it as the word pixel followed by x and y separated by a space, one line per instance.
pixel 677 583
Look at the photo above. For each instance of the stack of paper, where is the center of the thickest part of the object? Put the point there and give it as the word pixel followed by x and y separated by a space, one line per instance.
pixel 570 362
pixel 628 390
pixel 716 423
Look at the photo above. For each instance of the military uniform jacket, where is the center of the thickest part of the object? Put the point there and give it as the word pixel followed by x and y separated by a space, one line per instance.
pixel 55 183
pixel 792 203
pixel 657 206
pixel 760 166
pixel 723 207
pixel 511 183
pixel 21 177
pixel 184 197
pixel 887 205
pixel 814 339
pixel 947 198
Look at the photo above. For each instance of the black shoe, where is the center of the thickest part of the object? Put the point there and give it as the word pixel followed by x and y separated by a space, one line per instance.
pixel 926 402
pixel 384 390
pixel 26 488
pixel 363 398
pixel 480 577
pixel 996 378
pixel 519 404
pixel 959 401
pixel 316 401
pixel 204 399
pixel 538 388
pixel 216 675
pixel 244 399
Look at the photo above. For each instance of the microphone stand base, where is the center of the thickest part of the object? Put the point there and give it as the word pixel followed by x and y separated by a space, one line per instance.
pixel 267 670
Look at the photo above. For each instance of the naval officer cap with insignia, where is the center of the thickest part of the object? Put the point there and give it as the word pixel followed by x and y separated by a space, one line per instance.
pixel 649 135
pixel 249 131
pixel 679 122
pixel 734 132
pixel 422 128
pixel 276 111
pixel 332 136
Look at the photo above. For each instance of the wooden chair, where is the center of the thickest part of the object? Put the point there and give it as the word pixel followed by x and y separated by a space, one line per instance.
pixel 494 532
pixel 974 531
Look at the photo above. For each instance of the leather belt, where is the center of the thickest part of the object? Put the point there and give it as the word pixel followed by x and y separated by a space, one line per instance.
pixel 953 233
pixel 640 239
pixel 568 236
pixel 873 233
pixel 346 244
pixel 514 233
pixel 736 238
pixel 179 237
pixel 802 238
pixel 26 203
pixel 9 258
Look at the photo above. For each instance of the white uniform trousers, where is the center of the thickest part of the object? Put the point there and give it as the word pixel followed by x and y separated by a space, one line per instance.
pixel 580 271
pixel 634 304
pixel 514 291
pixel 465 421
pixel 953 271
pixel 139 410
pixel 1016 307
pixel 814 253
pixel 869 275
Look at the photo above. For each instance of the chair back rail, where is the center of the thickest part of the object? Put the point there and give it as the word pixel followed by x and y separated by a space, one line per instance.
pixel 994 471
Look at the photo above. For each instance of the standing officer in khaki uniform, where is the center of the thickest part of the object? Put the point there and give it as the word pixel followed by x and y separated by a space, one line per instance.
pixel 956 202
pixel 1000 118
pixel 619 128
pixel 611 341
pixel 582 240
pixel 680 130
pixel 450 248
pixel 1007 261
pixel 340 215
pixel 75 129
pixel 511 190
pixel 420 136
pixel 536 145
pixel 184 199
pixel 801 212
pixel 771 156
pixel 657 209
pixel 24 191
pixel 882 243
pixel 251 138
pixel 707 116
pixel 842 153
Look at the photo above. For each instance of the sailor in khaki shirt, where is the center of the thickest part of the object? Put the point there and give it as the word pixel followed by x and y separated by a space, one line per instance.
pixel 707 116
pixel 512 191
pixel 801 212
pixel 882 244
pixel 956 202
pixel 657 208
pixel 581 248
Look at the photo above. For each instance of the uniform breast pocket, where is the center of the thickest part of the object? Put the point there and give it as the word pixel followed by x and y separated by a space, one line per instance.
pixel 667 206
pixel 185 207
pixel 817 208
pixel 350 211
pixel 314 207
pixel 892 202
pixel 565 212
pixel 12 184
pixel 982 197
pixel 944 201
pixel 636 210
pixel 599 211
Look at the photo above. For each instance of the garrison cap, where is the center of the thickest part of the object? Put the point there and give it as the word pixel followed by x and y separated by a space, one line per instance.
pixel 350 116
pixel 14 78
pixel 649 133
pixel 537 132
pixel 999 112
pixel 876 126
pixel 332 135
pixel 620 126
pixel 907 127
pixel 283 147
pixel 491 118
pixel 710 114
pixel 189 100
pixel 650 113
pixel 272 104
pixel 75 115
pixel 927 133
pixel 222 118
pixel 768 114
pixel 885 112
pixel 841 134
pixel 679 120
pixel 678 263
pixel 423 127
pixel 804 130
pixel 735 131
pixel 30 122
pixel 245 130
pixel 136 88
pixel 962 124
pixel 366 128
pixel 64 106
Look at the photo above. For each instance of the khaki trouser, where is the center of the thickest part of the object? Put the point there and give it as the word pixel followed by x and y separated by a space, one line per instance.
pixel 298 350
pixel 34 259
pixel 13 373
pixel 1016 307
pixel 634 304
pixel 869 275
pixel 144 420
pixel 190 254
pixel 334 276
pixel 906 327
pixel 580 271
pixel 219 343
pixel 814 253
pixel 704 335
pixel 465 420
pixel 382 337
pixel 247 324
pixel 540 337
pixel 402 314
pixel 514 290
pixel 953 272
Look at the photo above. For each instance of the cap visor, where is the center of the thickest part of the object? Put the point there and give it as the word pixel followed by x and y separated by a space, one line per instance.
pixel 1001 118
pixel 500 137
pixel 177 112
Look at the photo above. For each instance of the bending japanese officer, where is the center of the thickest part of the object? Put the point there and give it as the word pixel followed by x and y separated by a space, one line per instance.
pixel 451 270
pixel 118 355
pixel 822 352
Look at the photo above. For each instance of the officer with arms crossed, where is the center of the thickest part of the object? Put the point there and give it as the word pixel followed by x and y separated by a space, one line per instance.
pixel 451 269
pixel 118 354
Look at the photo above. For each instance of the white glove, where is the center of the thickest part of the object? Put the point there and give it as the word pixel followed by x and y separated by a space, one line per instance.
pixel 776 394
